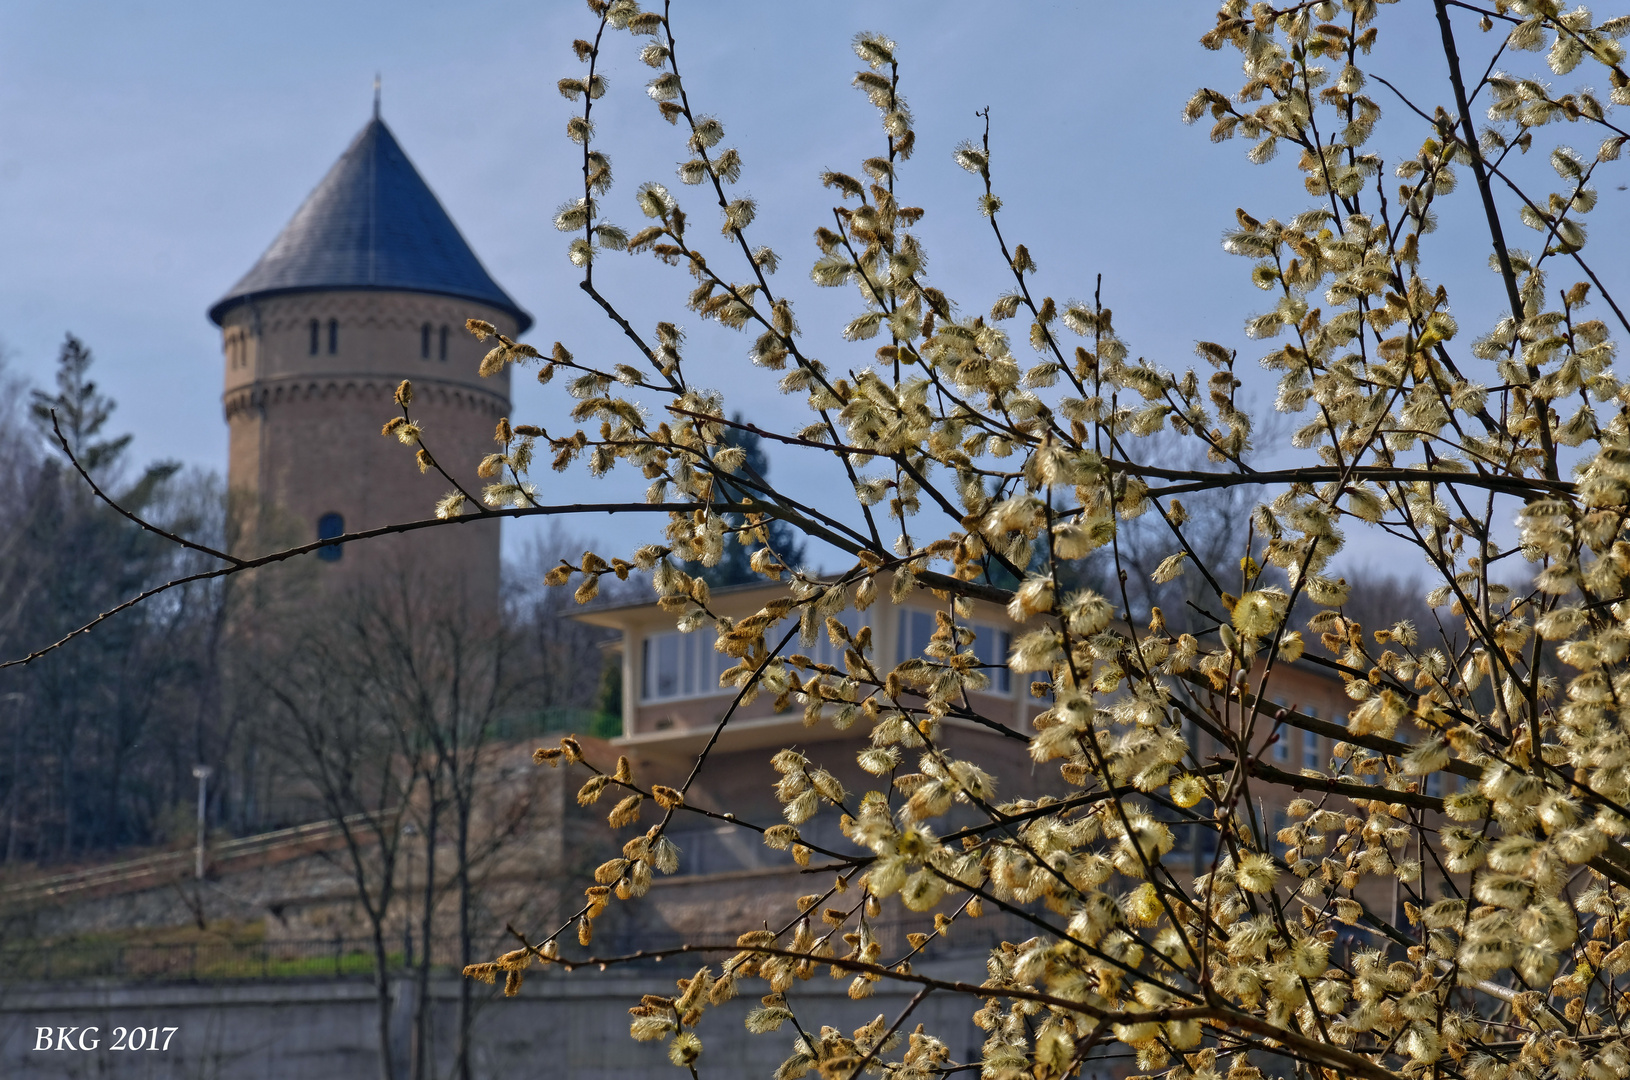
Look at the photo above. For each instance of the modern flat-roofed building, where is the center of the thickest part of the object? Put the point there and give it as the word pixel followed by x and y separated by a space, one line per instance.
pixel 673 705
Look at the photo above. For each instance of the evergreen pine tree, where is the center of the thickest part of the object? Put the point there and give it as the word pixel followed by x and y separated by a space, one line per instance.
pixel 735 567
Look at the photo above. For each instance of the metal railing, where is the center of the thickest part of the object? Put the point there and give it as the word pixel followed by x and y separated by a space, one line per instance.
pixel 155 869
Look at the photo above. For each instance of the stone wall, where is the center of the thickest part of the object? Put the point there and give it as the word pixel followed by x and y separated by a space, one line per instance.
pixel 564 1027
pixel 305 889
pixel 305 426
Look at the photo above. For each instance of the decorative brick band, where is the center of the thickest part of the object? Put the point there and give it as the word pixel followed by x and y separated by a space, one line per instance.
pixel 369 388
pixel 361 309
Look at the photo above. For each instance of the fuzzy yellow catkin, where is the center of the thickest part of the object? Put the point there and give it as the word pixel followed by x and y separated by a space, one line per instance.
pixel 1017 511
pixel 626 812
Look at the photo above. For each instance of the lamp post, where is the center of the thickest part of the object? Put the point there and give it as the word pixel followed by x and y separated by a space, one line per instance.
pixel 202 772
pixel 13 796
pixel 409 831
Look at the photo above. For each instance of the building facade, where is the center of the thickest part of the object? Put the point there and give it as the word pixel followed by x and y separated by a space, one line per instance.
pixel 672 705
pixel 369 283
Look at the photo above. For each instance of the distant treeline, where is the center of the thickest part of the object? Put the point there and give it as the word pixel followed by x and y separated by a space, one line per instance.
pixel 98 740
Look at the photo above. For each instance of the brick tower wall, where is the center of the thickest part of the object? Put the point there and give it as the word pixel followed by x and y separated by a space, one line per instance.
pixel 305 430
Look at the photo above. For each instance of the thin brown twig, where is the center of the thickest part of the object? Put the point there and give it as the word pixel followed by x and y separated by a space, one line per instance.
pixel 174 538
pixel 1214 1011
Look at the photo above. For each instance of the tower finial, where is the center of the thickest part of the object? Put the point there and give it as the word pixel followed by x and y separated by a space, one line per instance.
pixel 376 95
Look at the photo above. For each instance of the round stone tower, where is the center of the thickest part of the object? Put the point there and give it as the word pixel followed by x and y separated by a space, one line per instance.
pixel 369 284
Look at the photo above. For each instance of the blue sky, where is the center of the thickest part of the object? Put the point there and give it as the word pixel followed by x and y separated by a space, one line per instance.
pixel 150 151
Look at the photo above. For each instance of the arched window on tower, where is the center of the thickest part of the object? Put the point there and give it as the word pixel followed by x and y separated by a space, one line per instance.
pixel 443 353
pixel 333 335
pixel 316 330
pixel 424 342
pixel 328 527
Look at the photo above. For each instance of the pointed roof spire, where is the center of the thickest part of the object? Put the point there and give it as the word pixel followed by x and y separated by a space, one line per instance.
pixel 372 223
pixel 376 95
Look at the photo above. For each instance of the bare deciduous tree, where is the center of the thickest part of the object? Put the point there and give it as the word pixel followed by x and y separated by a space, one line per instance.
pixel 349 754
pixel 99 739
pixel 561 661
pixel 439 672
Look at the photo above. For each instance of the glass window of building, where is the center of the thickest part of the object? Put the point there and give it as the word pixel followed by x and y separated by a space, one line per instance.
pixel 1281 821
pixel 990 645
pixel 328 527
pixel 675 665
pixel 824 652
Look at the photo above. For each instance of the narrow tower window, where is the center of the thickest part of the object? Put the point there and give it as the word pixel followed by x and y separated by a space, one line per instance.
pixel 333 335
pixel 316 329
pixel 443 355
pixel 424 342
pixel 328 527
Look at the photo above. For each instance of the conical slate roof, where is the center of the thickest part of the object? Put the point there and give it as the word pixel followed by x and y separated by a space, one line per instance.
pixel 373 223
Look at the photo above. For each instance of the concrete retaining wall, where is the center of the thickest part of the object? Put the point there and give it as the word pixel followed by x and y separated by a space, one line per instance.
pixel 560 1026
